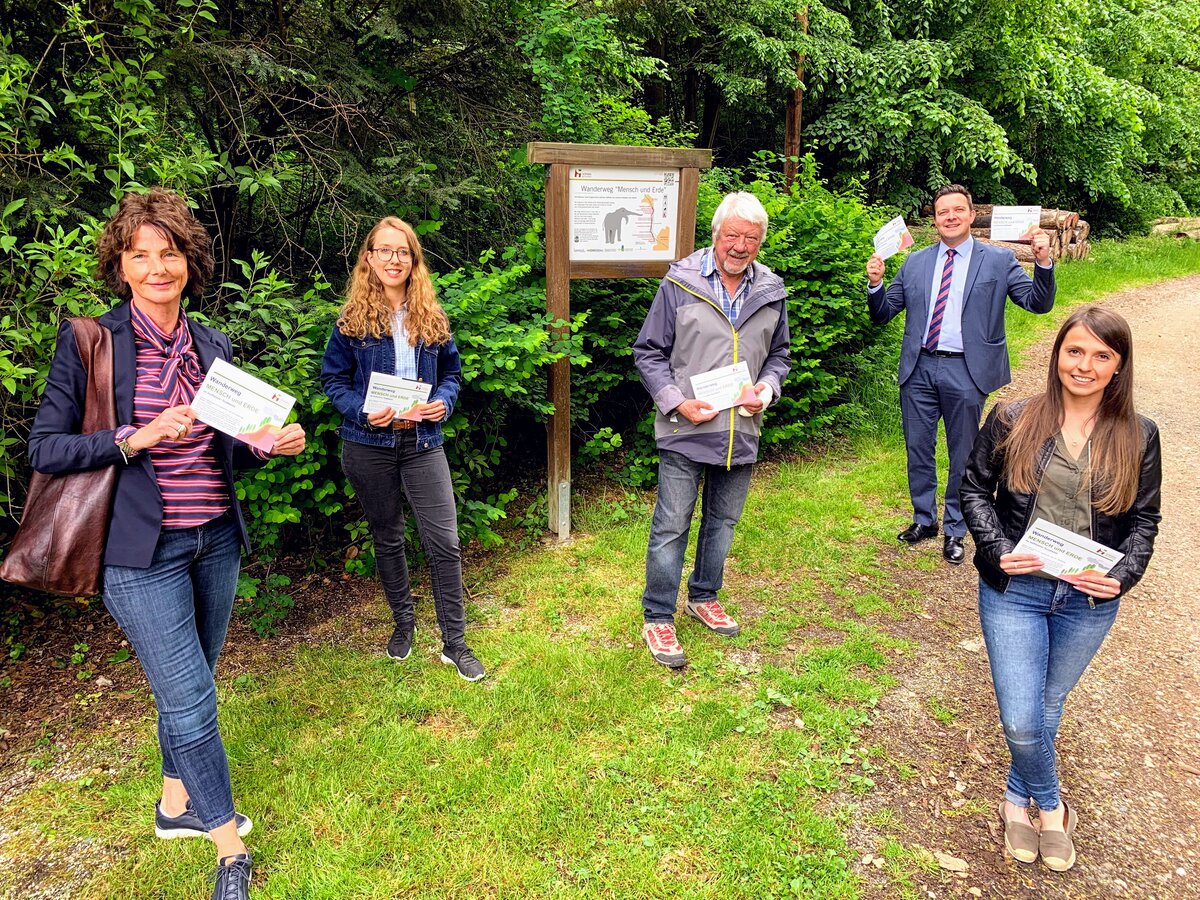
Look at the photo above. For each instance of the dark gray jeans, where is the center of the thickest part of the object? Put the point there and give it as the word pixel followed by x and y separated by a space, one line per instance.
pixel 381 475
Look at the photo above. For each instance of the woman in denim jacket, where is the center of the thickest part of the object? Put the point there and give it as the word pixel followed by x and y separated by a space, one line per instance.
pixel 392 324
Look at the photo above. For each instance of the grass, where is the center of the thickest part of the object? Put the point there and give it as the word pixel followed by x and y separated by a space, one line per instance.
pixel 578 768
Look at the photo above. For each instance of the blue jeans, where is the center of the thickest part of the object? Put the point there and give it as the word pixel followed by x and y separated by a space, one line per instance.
pixel 1040 634
pixel 175 614
pixel 725 493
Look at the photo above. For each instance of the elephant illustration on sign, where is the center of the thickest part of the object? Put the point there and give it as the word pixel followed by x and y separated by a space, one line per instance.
pixel 614 222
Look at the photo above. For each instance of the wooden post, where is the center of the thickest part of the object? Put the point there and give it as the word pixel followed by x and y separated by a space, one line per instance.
pixel 795 113
pixel 561 269
pixel 558 304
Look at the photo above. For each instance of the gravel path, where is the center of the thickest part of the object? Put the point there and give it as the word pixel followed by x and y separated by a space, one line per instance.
pixel 1130 742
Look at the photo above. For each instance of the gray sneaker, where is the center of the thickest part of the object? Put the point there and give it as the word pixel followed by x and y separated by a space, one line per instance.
pixel 464 660
pixel 188 824
pixel 664 646
pixel 401 642
pixel 231 881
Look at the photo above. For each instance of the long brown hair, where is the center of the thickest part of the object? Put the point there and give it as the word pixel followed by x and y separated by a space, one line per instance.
pixel 367 310
pixel 1115 457
pixel 168 214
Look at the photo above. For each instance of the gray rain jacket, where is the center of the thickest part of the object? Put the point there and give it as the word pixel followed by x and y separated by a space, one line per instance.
pixel 686 333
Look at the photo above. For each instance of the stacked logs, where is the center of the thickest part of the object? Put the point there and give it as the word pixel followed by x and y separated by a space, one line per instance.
pixel 1068 234
pixel 1177 227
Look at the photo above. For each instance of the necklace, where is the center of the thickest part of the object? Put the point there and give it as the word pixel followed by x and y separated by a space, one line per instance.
pixel 1077 436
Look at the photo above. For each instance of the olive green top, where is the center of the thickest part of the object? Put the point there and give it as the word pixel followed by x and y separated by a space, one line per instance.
pixel 1063 496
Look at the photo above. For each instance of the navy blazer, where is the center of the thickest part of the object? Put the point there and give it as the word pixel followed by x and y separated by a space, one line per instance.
pixel 994 274
pixel 56 446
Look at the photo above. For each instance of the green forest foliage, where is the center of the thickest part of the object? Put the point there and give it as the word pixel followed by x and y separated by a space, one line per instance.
pixel 294 125
pixel 1091 105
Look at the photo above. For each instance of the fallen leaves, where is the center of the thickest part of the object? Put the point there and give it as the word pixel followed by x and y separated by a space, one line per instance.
pixel 950 863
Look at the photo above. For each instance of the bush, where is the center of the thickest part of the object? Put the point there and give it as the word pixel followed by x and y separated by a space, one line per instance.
pixel 73 141
pixel 818 243
pixel 1149 200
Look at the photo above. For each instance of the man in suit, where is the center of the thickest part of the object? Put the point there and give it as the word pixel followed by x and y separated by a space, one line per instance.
pixel 954 351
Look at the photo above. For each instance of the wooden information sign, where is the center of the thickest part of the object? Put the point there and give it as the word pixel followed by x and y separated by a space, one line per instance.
pixel 611 212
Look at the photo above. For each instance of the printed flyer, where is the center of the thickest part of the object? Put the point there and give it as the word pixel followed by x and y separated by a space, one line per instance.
pixel 892 238
pixel 242 406
pixel 400 394
pixel 1015 223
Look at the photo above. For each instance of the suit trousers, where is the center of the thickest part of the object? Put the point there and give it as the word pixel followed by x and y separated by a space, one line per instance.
pixel 939 388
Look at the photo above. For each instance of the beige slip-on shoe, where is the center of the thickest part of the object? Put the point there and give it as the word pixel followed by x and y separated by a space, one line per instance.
pixel 1020 840
pixel 1057 847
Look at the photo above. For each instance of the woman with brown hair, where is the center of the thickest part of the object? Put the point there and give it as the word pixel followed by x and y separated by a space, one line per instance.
pixel 392 324
pixel 176 529
pixel 1077 456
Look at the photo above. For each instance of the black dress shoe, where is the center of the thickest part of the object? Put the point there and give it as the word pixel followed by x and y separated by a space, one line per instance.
pixel 915 533
pixel 952 549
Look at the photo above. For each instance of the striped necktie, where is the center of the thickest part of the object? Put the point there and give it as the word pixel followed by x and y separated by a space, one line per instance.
pixel 939 306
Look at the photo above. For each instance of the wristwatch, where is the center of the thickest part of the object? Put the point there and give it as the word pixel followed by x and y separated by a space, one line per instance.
pixel 126 451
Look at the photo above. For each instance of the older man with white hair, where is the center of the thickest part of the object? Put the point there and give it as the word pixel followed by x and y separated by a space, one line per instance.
pixel 714 308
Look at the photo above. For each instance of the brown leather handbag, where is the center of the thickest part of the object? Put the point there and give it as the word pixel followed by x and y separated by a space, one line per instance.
pixel 59 545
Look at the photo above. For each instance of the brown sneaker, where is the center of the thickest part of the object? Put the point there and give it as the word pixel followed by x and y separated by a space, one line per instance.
pixel 714 617
pixel 664 646
pixel 1057 847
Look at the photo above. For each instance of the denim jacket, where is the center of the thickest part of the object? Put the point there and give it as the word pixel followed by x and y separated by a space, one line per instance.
pixel 347 367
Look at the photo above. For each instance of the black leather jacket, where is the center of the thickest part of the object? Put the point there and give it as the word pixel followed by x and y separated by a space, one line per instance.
pixel 998 516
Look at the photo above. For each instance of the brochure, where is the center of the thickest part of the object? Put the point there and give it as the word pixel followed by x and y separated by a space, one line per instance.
pixel 1064 553
pixel 1015 223
pixel 726 387
pixel 400 394
pixel 240 405
pixel 892 238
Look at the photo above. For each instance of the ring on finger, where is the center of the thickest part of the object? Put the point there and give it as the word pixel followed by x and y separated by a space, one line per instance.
pixel 182 429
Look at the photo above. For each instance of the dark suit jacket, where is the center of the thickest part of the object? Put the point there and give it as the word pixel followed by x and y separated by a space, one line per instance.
pixel 55 444
pixel 994 275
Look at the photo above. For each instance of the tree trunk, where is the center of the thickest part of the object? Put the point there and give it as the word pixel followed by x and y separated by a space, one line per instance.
pixel 795 112
pixel 712 114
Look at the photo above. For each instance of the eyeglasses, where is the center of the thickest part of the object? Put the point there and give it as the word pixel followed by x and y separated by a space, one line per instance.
pixel 386 254
pixel 752 239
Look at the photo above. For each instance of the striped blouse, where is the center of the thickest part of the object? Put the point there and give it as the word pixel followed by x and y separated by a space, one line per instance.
pixel 188 472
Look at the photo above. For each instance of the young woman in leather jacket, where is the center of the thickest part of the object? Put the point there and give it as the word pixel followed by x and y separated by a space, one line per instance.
pixel 1078 456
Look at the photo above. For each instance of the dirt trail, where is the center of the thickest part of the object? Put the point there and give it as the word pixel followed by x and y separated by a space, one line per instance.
pixel 1129 748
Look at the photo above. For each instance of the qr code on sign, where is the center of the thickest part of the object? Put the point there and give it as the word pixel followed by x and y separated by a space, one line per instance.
pixel 668 178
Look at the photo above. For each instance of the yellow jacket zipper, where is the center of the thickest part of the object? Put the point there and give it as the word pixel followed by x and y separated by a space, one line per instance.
pixel 734 332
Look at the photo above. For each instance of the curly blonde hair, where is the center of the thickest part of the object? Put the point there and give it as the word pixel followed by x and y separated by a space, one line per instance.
pixel 367 310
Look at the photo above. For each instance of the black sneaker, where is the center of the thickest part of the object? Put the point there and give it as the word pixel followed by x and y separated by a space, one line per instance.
pixel 231 881
pixel 464 660
pixel 188 824
pixel 401 643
